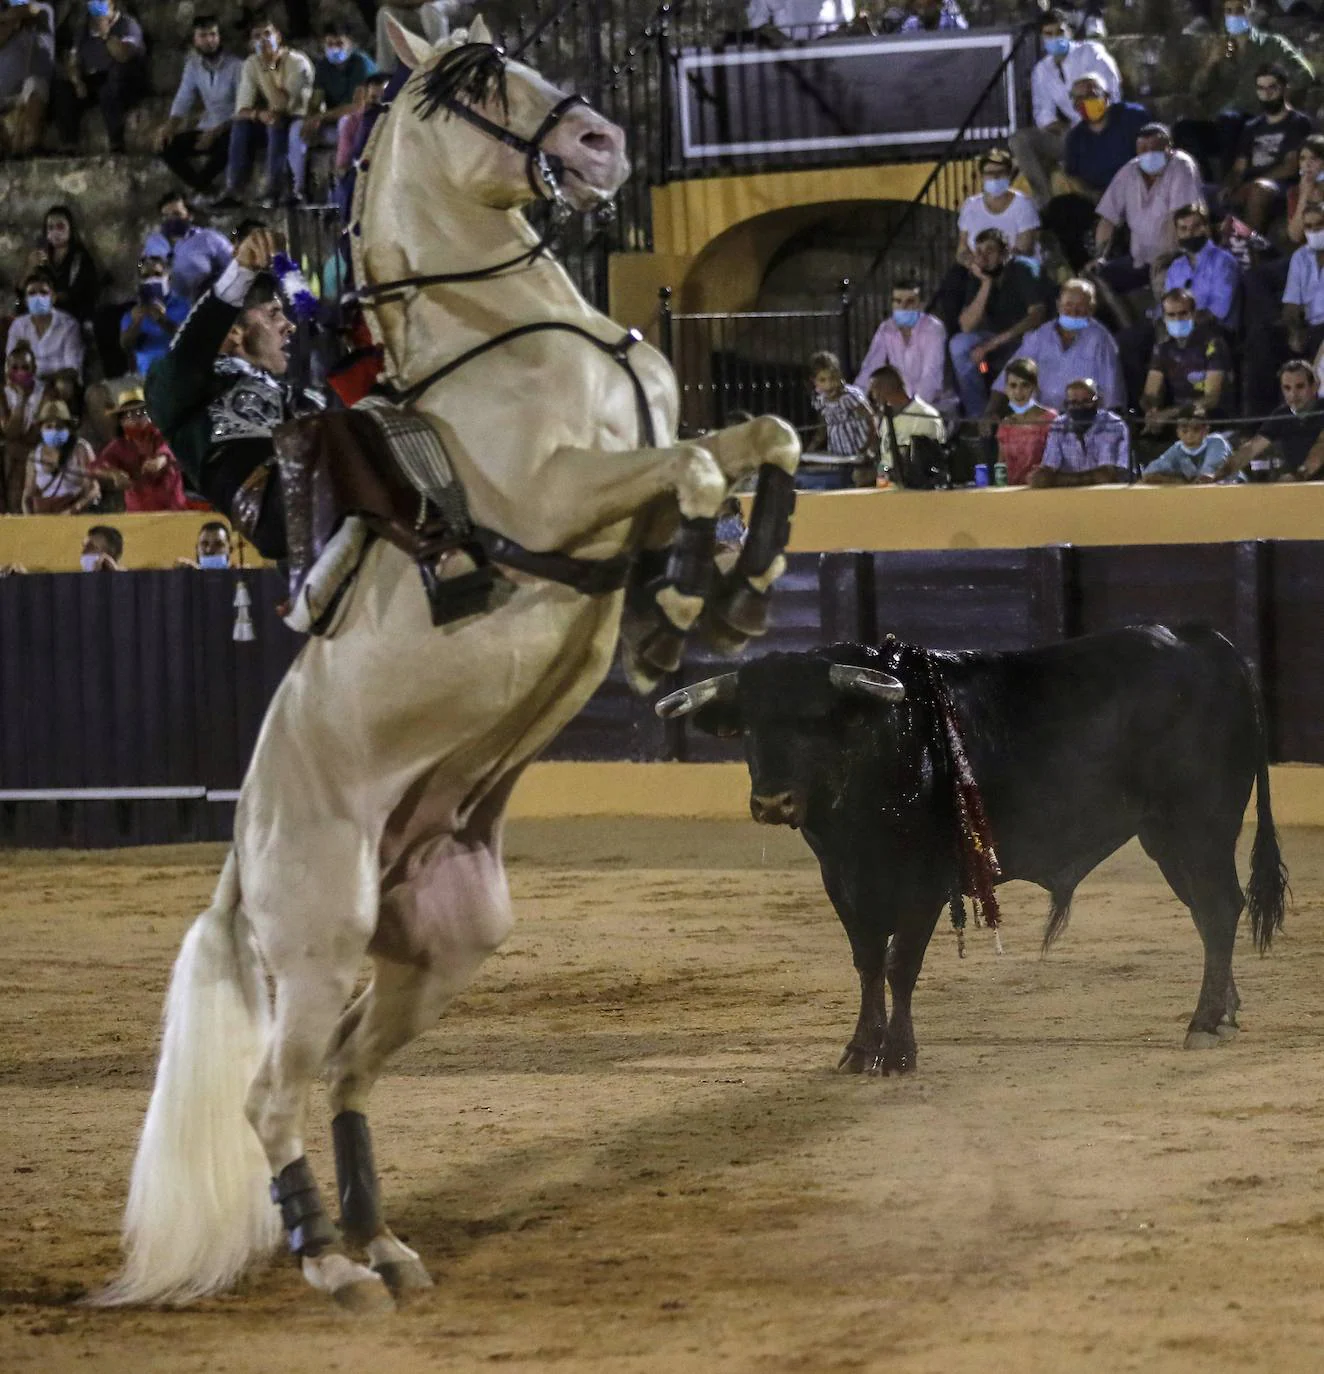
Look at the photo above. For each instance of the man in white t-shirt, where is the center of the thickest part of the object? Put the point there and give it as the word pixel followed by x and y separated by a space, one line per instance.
pixel 997 206
pixel 1038 150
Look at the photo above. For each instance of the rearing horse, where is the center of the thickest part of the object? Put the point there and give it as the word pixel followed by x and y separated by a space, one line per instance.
pixel 369 822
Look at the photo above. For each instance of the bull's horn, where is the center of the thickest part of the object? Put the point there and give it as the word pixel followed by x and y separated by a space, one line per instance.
pixel 866 682
pixel 698 694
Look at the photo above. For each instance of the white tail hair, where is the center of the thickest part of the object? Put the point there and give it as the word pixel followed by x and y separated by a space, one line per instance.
pixel 198 1210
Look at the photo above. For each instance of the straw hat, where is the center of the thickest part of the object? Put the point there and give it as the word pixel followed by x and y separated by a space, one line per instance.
pixel 131 398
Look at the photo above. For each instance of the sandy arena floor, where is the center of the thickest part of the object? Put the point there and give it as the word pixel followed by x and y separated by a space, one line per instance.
pixel 624 1150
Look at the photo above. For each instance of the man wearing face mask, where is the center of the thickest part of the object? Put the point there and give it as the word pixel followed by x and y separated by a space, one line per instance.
pixel 910 340
pixel 1210 273
pixel 196 254
pixel 1073 345
pixel 1144 195
pixel 55 338
pixel 1189 365
pixel 151 322
pixel 274 89
pixel 1003 301
pixel 211 80
pixel 1086 446
pixel 1038 150
pixel 106 67
pixel 998 206
pixel 1224 86
pixel 218 393
pixel 1266 165
pixel 337 77
pixel 1299 332
pixel 1096 149
pixel 20 427
pixel 213 548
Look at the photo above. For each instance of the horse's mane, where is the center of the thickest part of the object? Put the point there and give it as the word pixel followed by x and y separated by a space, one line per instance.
pixel 471 74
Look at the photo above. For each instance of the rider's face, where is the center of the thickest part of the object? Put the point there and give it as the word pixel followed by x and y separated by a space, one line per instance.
pixel 265 332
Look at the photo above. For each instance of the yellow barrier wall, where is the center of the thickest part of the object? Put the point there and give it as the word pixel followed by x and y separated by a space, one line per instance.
pixel 53 543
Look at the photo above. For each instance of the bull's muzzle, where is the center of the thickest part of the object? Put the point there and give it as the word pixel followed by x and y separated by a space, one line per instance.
pixel 781 808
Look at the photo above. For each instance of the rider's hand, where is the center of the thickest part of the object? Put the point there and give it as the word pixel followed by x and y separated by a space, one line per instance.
pixel 256 250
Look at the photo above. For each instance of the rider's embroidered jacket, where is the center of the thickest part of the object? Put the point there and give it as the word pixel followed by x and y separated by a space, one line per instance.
pixel 217 412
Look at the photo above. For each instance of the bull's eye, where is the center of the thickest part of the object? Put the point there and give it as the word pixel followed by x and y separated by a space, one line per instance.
pixel 726 730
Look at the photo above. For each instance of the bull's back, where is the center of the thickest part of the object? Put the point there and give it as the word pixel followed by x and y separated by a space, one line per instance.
pixel 1076 744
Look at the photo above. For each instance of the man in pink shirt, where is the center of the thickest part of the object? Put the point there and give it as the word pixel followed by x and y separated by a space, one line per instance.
pixel 1144 196
pixel 910 341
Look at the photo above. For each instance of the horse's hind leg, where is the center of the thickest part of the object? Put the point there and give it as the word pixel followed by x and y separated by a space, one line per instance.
pixel 447 912
pixel 313 924
pixel 1201 868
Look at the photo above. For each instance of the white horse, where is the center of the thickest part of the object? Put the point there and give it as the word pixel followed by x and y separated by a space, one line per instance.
pixel 369 823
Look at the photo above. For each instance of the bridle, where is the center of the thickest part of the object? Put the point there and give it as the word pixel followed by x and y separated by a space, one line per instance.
pixel 543 170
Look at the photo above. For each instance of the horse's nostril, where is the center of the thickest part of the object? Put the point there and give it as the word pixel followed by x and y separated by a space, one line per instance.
pixel 597 141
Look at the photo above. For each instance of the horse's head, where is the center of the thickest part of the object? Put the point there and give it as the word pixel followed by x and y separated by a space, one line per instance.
pixel 501 133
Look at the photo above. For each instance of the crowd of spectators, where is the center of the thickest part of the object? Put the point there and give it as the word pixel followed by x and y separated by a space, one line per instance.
pixel 1151 305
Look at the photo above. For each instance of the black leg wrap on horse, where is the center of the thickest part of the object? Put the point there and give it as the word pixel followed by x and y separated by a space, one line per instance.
pixel 690 563
pixel 769 521
pixel 294 1191
pixel 356 1178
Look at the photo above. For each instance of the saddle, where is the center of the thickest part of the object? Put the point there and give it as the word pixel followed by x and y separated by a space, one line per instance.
pixel 378 471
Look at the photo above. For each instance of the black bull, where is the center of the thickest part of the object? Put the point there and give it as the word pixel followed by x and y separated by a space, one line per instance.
pixel 1076 748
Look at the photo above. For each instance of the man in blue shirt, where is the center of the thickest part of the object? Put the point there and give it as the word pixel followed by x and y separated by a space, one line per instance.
pixel 211 79
pixel 196 256
pixel 1210 273
pixel 148 326
pixel 1095 150
pixel 338 74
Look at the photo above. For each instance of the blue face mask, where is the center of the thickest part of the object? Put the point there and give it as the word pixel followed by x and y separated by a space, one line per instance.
pixel 1020 407
pixel 907 319
pixel 89 562
pixel 213 560
pixel 1236 24
pixel 337 55
pixel 54 438
pixel 1057 47
pixel 1179 329
pixel 996 186
pixel 98 9
pixel 39 305
pixel 1152 163
pixel 1073 323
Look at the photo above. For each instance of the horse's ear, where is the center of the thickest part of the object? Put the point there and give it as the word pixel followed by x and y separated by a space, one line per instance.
pixel 409 48
pixel 478 31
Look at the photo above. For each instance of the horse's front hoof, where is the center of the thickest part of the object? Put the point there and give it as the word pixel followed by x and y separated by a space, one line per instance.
pixel 856 1060
pixel 350 1286
pixel 365 1297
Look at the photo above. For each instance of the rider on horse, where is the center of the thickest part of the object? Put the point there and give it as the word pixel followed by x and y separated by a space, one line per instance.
pixel 218 393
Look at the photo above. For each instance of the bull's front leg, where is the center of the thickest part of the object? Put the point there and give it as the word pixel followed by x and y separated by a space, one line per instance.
pixel 905 958
pixel 864 1051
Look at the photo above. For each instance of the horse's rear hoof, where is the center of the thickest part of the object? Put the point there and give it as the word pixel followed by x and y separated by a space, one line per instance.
pixel 403 1277
pixel 365 1297
pixel 1202 1040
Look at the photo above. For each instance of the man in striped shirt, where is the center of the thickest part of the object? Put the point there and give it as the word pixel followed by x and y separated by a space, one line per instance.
pixel 1086 446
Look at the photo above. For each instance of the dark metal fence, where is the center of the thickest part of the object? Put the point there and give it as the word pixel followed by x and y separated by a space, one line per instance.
pixel 754 361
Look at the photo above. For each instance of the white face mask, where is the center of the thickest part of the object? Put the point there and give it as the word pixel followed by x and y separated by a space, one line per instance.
pixel 1020 407
pixel 1315 239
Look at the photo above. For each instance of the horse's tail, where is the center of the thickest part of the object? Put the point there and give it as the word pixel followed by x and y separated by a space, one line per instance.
pixel 1267 890
pixel 198 1209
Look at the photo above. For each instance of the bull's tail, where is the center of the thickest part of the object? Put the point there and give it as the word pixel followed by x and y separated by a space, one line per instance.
pixel 1059 913
pixel 1267 890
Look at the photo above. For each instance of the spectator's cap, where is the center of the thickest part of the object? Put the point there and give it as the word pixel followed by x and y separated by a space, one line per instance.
pixel 52 408
pixel 1192 413
pixel 131 398
pixel 998 157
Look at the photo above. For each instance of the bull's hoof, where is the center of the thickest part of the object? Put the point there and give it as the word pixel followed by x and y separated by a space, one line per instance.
pixel 854 1059
pixel 901 1063
pixel 403 1277
pixel 1227 1029
pixel 1202 1040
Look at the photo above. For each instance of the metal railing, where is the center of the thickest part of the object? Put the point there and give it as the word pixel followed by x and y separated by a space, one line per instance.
pixel 751 361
